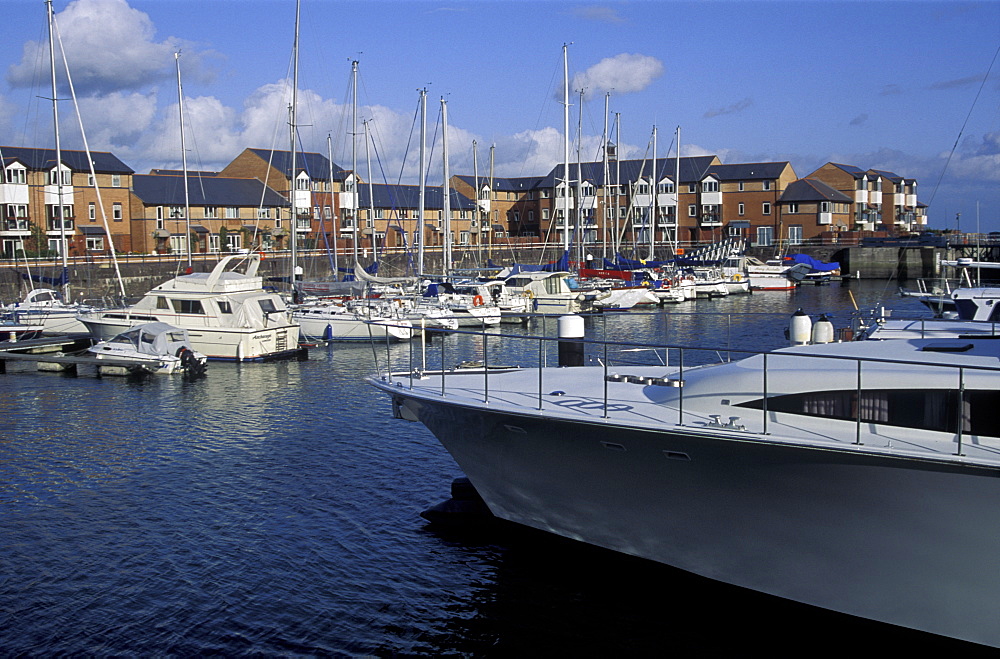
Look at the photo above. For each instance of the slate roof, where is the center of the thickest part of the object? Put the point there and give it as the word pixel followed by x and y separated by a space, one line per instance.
pixel 809 189
pixel 408 197
pixel 210 191
pixel 756 171
pixel 44 159
pixel 856 172
pixel 501 184
pixel 316 165
pixel 693 169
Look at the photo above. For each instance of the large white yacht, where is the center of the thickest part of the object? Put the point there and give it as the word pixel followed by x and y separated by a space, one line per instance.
pixel 861 477
pixel 227 314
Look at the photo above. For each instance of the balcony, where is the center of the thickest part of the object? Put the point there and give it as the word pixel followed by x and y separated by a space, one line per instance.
pixel 711 220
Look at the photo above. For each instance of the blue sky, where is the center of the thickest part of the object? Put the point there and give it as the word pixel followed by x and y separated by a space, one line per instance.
pixel 885 85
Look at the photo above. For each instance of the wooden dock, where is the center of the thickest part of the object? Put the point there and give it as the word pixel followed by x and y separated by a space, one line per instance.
pixel 63 353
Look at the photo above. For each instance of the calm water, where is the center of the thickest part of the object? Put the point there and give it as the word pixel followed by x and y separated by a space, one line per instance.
pixel 273 509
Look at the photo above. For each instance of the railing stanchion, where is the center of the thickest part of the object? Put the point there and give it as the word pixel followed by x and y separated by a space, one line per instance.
pixel 961 408
pixel 764 398
pixel 857 438
pixel 605 376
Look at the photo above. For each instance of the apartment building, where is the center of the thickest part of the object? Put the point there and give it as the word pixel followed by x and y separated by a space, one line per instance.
pixel 809 207
pixel 324 192
pixel 223 214
pixel 78 207
pixel 880 200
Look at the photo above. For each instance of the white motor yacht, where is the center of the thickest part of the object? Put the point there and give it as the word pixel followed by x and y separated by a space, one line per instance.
pixel 227 314
pixel 860 477
pixel 354 320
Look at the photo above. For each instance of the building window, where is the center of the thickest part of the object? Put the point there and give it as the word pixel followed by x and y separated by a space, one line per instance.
pixel 742 187
pixel 545 214
pixel 211 212
pixel 824 207
pixel 766 185
pixel 765 208
pixel 17 176
pixel 92 211
pixel 67 177
pixel 795 235
pixel 692 188
pixel 710 186
pixel 116 180
pixel 264 213
pixel 95 243
pixel 793 208
pixel 116 212
pixel 692 210
pixel 765 236
pixel 463 237
pixel 232 213
pixel 176 212
pixel 742 209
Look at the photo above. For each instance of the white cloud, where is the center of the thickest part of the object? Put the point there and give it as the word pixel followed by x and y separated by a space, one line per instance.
pixel 621 74
pixel 109 47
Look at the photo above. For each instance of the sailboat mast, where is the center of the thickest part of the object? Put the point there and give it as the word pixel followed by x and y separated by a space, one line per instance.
pixel 565 216
pixel 578 229
pixel 60 210
pixel 652 202
pixel 184 162
pixel 445 189
pixel 292 178
pixel 371 193
pixel 422 201
pixel 489 209
pixel 677 189
pixel 354 160
pixel 477 213
pixel 329 158
pixel 604 181
pixel 616 243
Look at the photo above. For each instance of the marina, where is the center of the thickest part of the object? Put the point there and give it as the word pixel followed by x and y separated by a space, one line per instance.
pixel 274 508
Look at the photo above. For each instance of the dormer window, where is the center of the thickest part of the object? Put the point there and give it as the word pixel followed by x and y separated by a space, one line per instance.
pixel 16 175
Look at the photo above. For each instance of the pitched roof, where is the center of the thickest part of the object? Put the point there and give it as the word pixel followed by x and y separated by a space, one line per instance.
pixel 316 165
pixel 809 189
pixel 44 159
pixel 210 191
pixel 502 184
pixel 693 169
pixel 408 196
pixel 856 172
pixel 755 171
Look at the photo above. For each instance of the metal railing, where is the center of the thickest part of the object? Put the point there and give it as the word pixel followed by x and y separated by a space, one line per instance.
pixel 677 359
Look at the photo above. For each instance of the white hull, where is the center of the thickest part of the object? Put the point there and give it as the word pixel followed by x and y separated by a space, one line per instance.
pixel 349 327
pixel 770 281
pixel 844 531
pixel 226 343
pixel 896 528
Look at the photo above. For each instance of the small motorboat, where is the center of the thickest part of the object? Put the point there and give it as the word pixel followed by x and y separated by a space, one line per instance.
pixel 150 348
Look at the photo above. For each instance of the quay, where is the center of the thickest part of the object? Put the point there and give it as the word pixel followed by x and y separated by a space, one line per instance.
pixel 94 279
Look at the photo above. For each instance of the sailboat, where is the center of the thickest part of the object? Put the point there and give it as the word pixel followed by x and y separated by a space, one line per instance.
pixel 45 309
